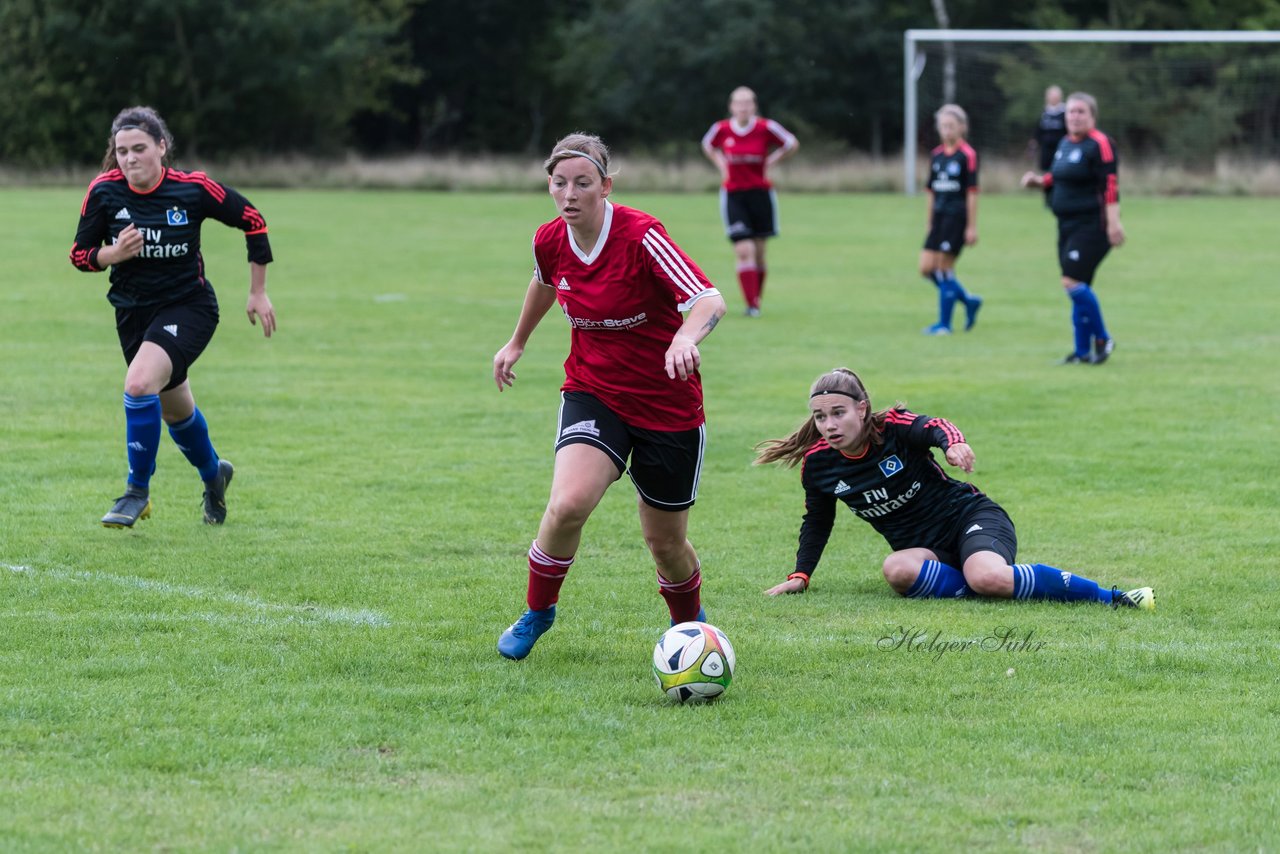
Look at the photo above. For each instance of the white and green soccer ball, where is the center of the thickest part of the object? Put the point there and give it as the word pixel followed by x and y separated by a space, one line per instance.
pixel 693 662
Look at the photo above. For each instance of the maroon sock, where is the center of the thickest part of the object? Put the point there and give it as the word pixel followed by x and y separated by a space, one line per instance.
pixel 749 281
pixel 546 574
pixel 684 598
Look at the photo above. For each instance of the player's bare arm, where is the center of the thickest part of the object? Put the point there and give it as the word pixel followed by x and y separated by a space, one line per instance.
pixel 682 356
pixel 538 300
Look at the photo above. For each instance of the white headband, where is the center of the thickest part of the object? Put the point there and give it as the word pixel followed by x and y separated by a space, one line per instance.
pixel 594 162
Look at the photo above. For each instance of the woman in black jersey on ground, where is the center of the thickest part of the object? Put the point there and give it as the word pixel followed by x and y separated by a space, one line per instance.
pixel 948 539
pixel 141 218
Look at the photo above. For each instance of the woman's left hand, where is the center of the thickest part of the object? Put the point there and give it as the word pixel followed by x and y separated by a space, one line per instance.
pixel 683 357
pixel 1115 233
pixel 260 307
pixel 960 455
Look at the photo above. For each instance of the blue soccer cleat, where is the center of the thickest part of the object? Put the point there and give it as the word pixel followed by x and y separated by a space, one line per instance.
pixel 971 306
pixel 701 618
pixel 937 329
pixel 518 640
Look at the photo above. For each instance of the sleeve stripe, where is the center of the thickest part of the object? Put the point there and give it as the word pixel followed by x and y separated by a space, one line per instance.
pixel 954 436
pixel 895 416
pixel 788 138
pixel 670 261
pixel 213 187
pixel 710 135
pixel 1104 145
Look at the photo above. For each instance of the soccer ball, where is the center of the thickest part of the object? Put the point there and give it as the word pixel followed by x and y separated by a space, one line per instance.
pixel 693 662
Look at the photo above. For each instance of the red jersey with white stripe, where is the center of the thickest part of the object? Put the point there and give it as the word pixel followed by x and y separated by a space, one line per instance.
pixel 746 148
pixel 623 298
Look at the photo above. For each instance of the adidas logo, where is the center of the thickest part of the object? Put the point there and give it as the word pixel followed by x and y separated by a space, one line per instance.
pixel 136 446
pixel 842 488
pixel 564 285
pixel 973 528
pixel 123 213
pixel 1066 578
pixel 172 329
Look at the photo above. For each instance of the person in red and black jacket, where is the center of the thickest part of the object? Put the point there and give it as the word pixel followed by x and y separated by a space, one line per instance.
pixel 141 218
pixel 1086 200
pixel 948 538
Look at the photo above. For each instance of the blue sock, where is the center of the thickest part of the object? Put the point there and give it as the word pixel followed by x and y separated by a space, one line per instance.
pixel 1080 319
pixel 938 581
pixel 948 291
pixel 1037 581
pixel 1093 310
pixel 142 436
pixel 192 438
pixel 961 293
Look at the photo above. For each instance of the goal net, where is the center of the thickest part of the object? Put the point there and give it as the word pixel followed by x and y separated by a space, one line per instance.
pixel 1190 112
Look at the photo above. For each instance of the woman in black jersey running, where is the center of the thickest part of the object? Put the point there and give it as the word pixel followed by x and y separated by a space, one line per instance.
pixel 141 218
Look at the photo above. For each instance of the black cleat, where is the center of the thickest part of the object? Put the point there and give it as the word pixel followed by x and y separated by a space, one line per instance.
pixel 1102 349
pixel 215 494
pixel 1074 358
pixel 135 504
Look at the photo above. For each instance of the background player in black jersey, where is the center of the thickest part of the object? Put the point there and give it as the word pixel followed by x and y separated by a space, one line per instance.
pixel 948 538
pixel 1050 130
pixel 952 217
pixel 142 219
pixel 1086 200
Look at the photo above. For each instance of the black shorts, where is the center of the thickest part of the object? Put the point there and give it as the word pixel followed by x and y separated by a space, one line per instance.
pixel 984 527
pixel 182 329
pixel 665 466
pixel 946 233
pixel 1082 244
pixel 749 214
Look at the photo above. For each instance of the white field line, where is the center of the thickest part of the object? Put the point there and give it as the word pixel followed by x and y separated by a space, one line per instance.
pixel 287 613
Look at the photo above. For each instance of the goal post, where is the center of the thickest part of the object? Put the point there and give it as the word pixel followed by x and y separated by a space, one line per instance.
pixel 1259 108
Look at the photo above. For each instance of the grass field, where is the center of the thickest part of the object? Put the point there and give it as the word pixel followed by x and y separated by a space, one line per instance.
pixel 320 672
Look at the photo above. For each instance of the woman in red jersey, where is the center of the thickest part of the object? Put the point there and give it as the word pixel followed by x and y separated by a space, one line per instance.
pixel 142 219
pixel 632 397
pixel 741 147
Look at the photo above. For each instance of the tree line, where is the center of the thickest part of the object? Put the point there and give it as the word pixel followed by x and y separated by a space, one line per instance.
pixel 320 77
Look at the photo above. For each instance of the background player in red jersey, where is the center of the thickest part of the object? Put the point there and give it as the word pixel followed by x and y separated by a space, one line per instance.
pixel 1085 198
pixel 142 219
pixel 741 147
pixel 948 538
pixel 952 217
pixel 638 307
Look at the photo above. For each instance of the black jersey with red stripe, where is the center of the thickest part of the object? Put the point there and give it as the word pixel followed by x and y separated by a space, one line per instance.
pixel 898 487
pixel 953 174
pixel 170 267
pixel 1084 175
